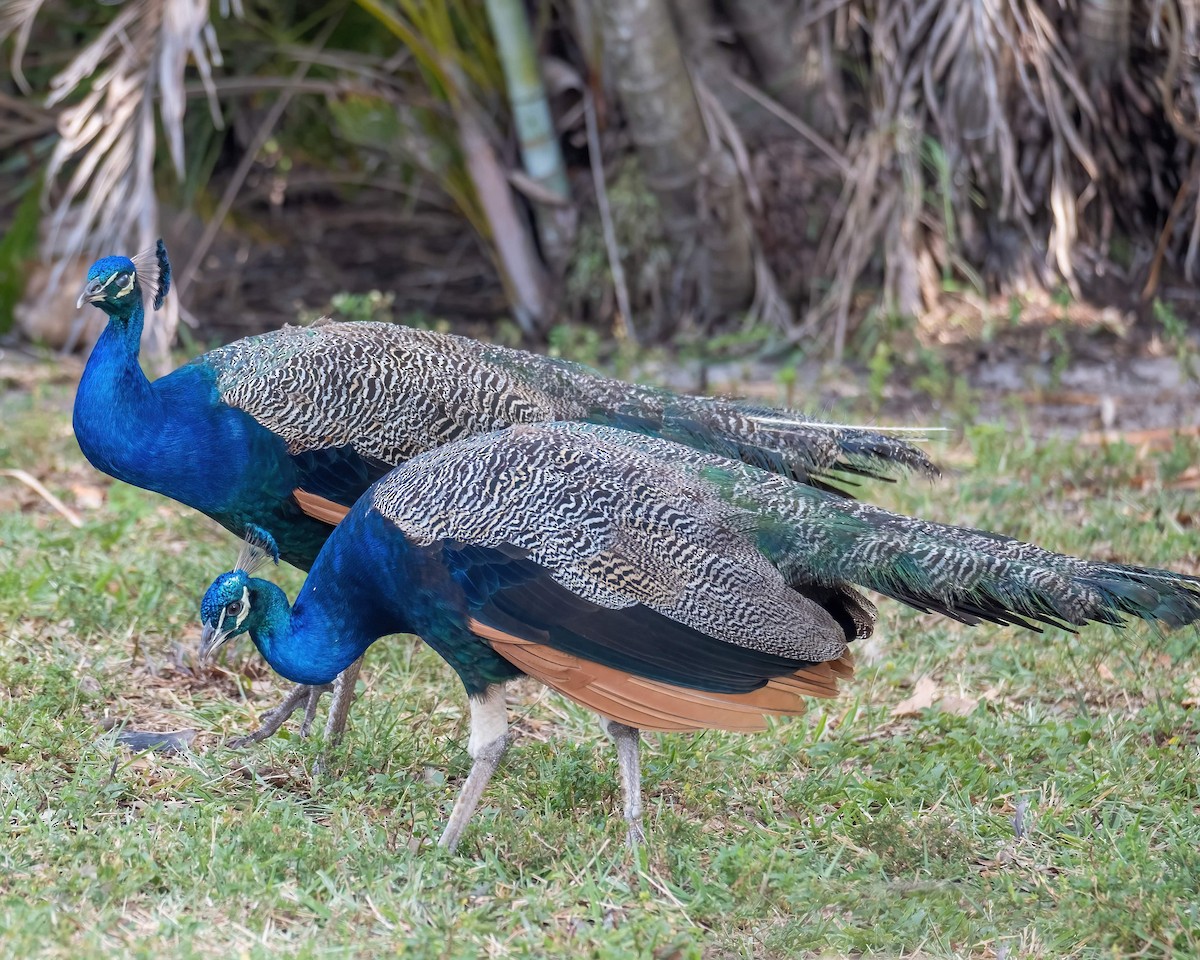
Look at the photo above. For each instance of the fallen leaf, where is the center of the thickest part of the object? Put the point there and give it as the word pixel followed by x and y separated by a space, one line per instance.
pixel 958 706
pixel 1105 673
pixel 1188 480
pixel 87 497
pixel 168 743
pixel 922 698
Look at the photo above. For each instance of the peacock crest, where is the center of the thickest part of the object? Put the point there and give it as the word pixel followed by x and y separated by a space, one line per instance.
pixel 258 547
pixel 153 269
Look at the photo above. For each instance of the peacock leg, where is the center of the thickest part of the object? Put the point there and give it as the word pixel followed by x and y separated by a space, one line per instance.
pixel 275 718
pixel 487 745
pixel 310 710
pixel 628 741
pixel 343 696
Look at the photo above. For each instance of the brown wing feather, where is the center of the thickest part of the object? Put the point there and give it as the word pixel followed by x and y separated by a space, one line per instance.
pixel 654 705
pixel 319 508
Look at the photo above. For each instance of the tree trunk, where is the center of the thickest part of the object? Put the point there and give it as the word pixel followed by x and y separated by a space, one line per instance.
pixel 1105 35
pixel 689 173
pixel 764 26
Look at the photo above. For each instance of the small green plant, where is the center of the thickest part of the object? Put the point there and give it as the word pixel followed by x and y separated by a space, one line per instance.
pixel 934 377
pixel 933 158
pixel 363 306
pixel 1174 462
pixel 575 342
pixel 1175 335
pixel 1061 359
pixel 879 371
pixel 787 377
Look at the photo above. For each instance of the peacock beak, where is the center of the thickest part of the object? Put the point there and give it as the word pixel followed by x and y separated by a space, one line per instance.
pixel 91 293
pixel 211 640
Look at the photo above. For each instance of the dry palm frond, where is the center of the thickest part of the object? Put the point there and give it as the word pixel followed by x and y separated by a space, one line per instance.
pixel 1104 29
pixel 22 122
pixel 16 20
pixel 980 120
pixel 100 176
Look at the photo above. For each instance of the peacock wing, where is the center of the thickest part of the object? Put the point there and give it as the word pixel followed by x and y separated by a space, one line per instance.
pixel 600 556
pixel 385 392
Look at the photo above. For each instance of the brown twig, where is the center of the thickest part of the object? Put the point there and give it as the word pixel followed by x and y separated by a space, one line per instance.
pixel 1164 238
pixel 34 484
pixel 606 218
pixel 793 121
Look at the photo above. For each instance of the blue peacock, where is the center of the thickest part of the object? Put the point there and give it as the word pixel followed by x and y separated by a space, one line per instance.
pixel 286 430
pixel 663 587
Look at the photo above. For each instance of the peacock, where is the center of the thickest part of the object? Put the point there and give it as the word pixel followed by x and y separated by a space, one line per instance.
pixel 664 587
pixel 286 430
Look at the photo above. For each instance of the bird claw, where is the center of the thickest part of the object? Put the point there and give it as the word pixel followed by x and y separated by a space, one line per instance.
pixel 343 690
pixel 275 718
pixel 635 838
pixel 310 708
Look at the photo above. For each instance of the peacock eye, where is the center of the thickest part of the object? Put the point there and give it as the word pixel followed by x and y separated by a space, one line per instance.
pixel 235 608
pixel 122 279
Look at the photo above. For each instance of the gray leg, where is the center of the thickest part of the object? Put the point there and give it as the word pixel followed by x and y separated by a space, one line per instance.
pixel 310 710
pixel 275 718
pixel 628 741
pixel 488 743
pixel 343 696
pixel 310 696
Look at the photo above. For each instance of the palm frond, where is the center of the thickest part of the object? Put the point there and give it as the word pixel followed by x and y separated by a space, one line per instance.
pixel 100 176
pixel 16 20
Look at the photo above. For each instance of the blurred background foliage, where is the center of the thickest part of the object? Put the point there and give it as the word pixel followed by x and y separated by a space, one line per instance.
pixel 754 173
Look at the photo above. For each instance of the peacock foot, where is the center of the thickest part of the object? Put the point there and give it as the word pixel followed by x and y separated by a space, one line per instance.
pixel 342 689
pixel 635 837
pixel 275 718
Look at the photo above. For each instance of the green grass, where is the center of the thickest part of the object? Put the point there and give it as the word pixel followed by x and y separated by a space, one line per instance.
pixel 850 831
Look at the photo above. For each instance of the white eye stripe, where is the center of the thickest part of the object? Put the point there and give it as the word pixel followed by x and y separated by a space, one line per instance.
pixel 245 611
pixel 132 275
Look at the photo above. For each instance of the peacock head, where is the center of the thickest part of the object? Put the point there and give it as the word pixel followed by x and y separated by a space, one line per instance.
pixel 234 602
pixel 116 284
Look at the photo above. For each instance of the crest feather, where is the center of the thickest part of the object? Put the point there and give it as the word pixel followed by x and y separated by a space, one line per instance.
pixel 154 272
pixel 257 548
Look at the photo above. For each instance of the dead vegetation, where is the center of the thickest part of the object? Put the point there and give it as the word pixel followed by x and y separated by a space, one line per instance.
pixel 809 165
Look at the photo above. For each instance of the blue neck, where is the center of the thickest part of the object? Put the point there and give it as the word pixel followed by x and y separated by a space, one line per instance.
pixel 368 582
pixel 323 634
pixel 173 436
pixel 114 395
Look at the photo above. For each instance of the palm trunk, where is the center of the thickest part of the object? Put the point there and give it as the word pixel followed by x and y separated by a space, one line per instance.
pixel 688 172
pixel 540 152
